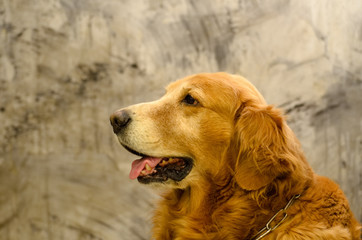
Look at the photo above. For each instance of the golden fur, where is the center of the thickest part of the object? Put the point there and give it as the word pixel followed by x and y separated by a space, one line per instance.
pixel 247 165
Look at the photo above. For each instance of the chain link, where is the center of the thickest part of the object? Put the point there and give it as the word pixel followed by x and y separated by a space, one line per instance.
pixel 269 227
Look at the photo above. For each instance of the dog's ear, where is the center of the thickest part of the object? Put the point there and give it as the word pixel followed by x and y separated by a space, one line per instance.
pixel 261 146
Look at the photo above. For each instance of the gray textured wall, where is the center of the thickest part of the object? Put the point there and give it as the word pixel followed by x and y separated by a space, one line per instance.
pixel 65 65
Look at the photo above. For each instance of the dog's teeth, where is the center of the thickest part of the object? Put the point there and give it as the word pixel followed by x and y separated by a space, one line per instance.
pixel 148 168
pixel 143 172
pixel 172 160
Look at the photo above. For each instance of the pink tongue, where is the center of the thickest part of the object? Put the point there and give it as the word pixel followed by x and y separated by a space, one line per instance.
pixel 139 165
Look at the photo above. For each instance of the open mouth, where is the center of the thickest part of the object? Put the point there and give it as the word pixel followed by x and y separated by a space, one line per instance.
pixel 159 169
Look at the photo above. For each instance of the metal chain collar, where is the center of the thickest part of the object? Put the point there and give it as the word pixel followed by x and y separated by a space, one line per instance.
pixel 272 225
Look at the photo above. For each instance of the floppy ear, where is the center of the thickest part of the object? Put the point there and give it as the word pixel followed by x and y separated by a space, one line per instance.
pixel 261 144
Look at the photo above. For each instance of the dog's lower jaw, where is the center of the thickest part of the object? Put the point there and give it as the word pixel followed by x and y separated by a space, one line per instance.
pixel 167 185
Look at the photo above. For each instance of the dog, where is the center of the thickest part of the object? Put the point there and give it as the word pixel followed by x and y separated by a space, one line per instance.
pixel 232 167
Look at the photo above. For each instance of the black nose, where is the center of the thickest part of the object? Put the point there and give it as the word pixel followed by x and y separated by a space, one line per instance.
pixel 119 120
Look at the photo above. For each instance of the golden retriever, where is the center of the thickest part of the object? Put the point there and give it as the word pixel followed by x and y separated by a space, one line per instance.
pixel 233 168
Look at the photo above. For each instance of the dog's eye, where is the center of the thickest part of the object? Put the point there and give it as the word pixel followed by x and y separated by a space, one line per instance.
pixel 189 100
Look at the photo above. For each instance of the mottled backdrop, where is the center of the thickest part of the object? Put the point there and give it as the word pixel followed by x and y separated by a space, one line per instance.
pixel 65 65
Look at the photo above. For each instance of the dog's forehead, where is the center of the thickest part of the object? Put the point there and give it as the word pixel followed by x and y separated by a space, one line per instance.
pixel 217 87
pixel 201 82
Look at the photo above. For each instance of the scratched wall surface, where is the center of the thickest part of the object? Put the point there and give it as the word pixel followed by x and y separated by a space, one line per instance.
pixel 66 65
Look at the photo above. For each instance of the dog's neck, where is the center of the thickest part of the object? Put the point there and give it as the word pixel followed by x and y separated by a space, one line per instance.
pixel 207 203
pixel 200 196
pixel 193 197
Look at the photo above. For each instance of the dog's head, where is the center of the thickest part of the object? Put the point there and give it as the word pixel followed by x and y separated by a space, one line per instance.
pixel 206 124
